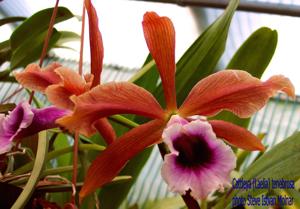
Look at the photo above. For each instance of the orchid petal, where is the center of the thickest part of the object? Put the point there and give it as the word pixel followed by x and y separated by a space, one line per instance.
pixel 71 84
pixel 106 130
pixel 25 121
pixel 160 37
pixel 37 79
pixel 10 126
pixel 198 162
pixel 110 162
pixel 72 81
pixel 109 99
pixel 43 119
pixel 236 135
pixel 59 96
pixel 233 90
pixel 96 44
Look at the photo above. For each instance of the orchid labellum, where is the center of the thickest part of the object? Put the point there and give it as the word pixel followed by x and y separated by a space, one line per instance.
pixel 195 145
pixel 24 121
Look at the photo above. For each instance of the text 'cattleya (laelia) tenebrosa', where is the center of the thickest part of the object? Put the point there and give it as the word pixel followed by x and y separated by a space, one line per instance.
pixel 233 90
pixel 24 121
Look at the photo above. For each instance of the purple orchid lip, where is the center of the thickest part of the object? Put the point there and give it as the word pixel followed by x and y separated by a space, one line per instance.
pixel 198 161
pixel 25 121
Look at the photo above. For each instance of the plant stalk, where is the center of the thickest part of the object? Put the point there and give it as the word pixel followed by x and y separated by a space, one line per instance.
pixel 46 42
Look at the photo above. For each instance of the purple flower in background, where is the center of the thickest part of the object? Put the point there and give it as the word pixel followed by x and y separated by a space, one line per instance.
pixel 25 121
pixel 198 162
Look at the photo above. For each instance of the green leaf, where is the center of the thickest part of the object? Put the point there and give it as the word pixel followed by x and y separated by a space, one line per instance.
pixel 5 76
pixel 5 51
pixel 275 164
pixel 201 58
pixel 67 36
pixel 4 108
pixel 30 50
pixel 166 203
pixel 148 76
pixel 256 52
pixel 37 24
pixel 35 174
pixel 254 57
pixel 11 20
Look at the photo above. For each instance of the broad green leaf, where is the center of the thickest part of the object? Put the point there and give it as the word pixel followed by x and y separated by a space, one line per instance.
pixel 289 193
pixel 149 78
pixel 35 174
pixel 5 51
pixel 201 58
pixel 4 108
pixel 67 36
pixel 253 56
pixel 166 203
pixel 256 52
pixel 277 163
pixel 30 50
pixel 11 20
pixel 37 24
pixel 5 76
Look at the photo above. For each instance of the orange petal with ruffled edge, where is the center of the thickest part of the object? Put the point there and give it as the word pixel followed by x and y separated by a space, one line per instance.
pixel 233 90
pixel 96 44
pixel 109 99
pixel 37 79
pixel 110 162
pixel 160 37
pixel 236 135
pixel 71 84
pixel 59 96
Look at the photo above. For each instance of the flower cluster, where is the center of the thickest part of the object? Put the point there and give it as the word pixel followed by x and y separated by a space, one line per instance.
pixel 198 161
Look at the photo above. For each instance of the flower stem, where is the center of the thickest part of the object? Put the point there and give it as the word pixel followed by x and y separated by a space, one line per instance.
pixel 76 137
pixel 189 201
pixel 75 167
pixel 46 42
pixel 123 121
pixel 56 153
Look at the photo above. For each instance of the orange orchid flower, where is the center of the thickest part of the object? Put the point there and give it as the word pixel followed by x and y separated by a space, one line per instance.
pixel 233 90
pixel 60 83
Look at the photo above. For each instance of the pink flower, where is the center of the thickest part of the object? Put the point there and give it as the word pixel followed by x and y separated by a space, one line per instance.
pixel 25 121
pixel 198 161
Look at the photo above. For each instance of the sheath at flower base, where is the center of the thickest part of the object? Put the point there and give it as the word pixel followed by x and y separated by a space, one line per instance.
pixel 233 90
pixel 60 83
pixel 24 121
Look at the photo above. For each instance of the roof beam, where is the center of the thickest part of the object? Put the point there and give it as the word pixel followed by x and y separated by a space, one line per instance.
pixel 260 7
